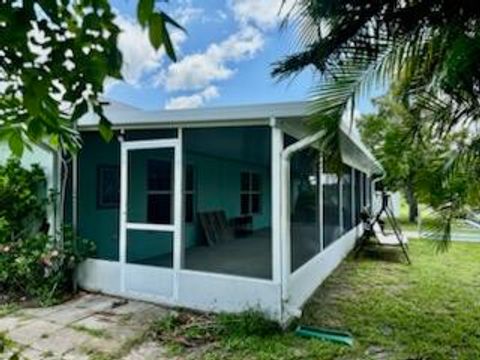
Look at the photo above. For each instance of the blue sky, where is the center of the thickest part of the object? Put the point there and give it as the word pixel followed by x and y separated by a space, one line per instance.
pixel 224 59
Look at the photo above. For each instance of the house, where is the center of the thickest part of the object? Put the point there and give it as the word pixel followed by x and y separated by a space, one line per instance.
pixel 216 209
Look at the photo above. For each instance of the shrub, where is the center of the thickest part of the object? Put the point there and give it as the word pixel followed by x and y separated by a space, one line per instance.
pixel 33 264
pixel 41 268
pixel 23 199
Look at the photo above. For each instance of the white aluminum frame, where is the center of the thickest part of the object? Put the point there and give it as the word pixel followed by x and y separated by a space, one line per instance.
pixel 283 295
pixel 176 228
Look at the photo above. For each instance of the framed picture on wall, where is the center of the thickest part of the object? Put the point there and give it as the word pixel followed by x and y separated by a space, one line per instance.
pixel 108 186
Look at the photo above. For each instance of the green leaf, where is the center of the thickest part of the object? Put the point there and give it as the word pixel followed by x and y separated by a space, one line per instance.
pixel 167 42
pixel 157 25
pixel 159 34
pixel 80 110
pixel 169 20
pixel 35 129
pixel 105 128
pixel 144 11
pixel 15 142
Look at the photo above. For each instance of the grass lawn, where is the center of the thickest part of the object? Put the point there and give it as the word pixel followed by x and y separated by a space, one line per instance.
pixel 429 310
pixel 428 219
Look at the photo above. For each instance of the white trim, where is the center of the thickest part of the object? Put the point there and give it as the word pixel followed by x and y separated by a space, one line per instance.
pixel 125 225
pixel 74 194
pixel 285 206
pixel 123 213
pixel 276 197
pixel 285 224
pixel 240 113
pixel 178 241
pixel 223 276
pixel 150 227
pixel 183 125
pixel 150 144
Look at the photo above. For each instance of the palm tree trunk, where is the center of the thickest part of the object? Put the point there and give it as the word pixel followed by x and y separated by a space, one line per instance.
pixel 412 204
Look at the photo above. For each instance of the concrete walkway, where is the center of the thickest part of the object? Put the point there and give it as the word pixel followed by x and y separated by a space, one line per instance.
pixel 88 327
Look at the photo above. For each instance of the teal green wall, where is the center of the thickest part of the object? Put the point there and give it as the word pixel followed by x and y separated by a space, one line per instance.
pixel 98 225
pixel 217 187
pixel 218 156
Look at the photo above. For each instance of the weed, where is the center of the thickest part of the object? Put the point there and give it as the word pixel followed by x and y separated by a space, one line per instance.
pixel 98 333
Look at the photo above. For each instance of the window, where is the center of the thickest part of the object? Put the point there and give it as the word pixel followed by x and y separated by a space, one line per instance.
pixel 249 193
pixel 367 191
pixel 108 186
pixel 358 197
pixel 347 198
pixel 331 206
pixel 160 192
pixel 189 194
pixel 304 206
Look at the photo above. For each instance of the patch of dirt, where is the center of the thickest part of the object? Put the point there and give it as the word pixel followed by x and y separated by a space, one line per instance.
pixel 190 330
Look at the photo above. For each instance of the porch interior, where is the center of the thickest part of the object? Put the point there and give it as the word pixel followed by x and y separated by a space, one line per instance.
pixel 226 171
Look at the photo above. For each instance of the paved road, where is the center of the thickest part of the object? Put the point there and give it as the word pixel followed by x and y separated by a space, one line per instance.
pixel 457 236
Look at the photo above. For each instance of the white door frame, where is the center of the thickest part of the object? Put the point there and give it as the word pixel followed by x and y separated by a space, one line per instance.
pixel 176 227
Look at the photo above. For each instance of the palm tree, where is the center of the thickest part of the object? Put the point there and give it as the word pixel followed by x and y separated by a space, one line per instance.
pixel 431 48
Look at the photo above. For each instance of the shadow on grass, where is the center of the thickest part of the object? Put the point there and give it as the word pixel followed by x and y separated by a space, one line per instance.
pixel 379 253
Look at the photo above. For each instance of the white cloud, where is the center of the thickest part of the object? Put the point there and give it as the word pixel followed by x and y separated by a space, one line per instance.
pixel 185 13
pixel 140 59
pixel 263 13
pixel 193 101
pixel 199 70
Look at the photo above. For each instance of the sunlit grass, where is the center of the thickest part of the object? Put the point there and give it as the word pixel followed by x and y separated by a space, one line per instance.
pixel 429 310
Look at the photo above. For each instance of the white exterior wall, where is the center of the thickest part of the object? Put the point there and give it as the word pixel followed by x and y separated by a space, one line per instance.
pixel 305 280
pixel 196 290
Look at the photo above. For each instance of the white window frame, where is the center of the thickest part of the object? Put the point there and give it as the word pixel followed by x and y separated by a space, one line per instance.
pixel 163 192
pixel 250 192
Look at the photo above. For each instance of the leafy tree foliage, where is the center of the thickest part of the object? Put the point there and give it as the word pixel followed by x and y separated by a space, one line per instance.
pixel 54 59
pixel 431 48
pixel 388 133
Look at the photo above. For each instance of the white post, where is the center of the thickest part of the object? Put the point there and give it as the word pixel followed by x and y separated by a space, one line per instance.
pixel 276 200
pixel 285 205
pixel 285 222
pixel 178 248
pixel 75 194
pixel 123 213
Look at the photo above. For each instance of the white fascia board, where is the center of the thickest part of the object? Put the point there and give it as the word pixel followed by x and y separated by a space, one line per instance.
pixel 363 159
pixel 354 137
pixel 128 118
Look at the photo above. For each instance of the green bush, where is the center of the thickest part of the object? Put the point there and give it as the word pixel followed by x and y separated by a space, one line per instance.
pixel 23 199
pixel 33 264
